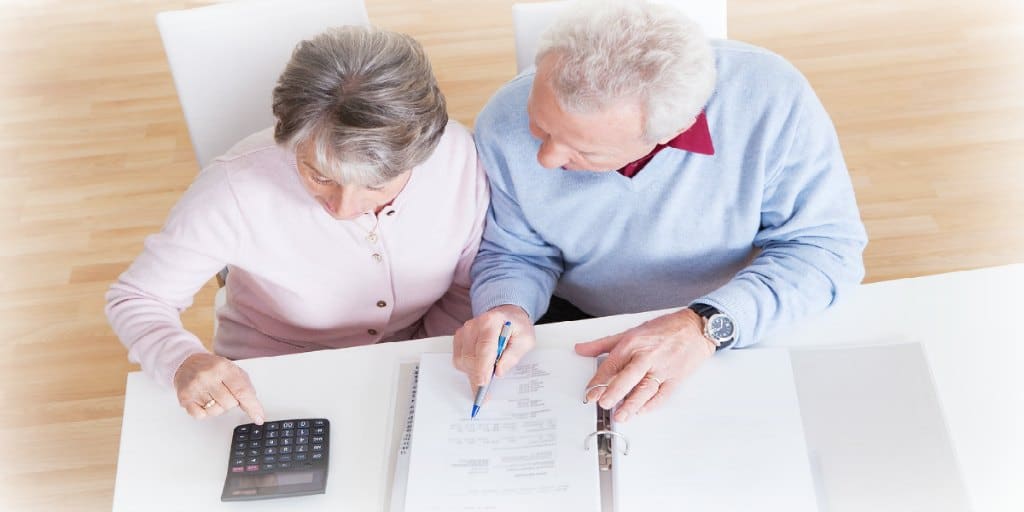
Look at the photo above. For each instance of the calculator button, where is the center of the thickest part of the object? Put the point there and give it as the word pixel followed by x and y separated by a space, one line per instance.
pixel 278 447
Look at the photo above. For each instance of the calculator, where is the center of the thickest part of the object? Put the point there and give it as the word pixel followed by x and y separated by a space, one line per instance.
pixel 278 459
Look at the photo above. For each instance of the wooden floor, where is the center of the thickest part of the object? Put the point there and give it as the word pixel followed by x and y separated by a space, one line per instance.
pixel 926 96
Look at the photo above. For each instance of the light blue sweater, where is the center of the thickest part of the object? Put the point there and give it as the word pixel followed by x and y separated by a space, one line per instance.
pixel 766 230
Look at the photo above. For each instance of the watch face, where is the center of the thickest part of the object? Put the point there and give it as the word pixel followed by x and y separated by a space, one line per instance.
pixel 720 327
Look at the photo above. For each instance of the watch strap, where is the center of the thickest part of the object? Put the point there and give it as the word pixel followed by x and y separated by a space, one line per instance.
pixel 706 311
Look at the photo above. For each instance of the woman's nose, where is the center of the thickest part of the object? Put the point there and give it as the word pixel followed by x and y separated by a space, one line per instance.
pixel 348 202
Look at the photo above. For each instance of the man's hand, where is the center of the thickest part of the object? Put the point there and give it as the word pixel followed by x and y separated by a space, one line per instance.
pixel 476 343
pixel 209 385
pixel 666 349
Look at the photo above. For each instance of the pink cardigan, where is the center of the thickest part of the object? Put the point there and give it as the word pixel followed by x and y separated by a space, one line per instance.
pixel 298 279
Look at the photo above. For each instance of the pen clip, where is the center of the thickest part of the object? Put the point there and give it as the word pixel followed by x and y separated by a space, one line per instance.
pixel 503 336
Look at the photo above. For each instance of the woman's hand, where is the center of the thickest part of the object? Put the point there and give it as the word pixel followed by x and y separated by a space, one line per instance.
pixel 209 385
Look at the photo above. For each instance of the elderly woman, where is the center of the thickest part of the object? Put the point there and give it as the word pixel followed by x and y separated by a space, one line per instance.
pixel 354 221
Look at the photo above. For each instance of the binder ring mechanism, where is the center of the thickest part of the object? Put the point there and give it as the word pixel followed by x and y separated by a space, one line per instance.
pixel 625 442
pixel 604 434
pixel 587 392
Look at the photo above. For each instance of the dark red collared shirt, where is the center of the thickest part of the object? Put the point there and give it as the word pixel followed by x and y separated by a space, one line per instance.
pixel 696 139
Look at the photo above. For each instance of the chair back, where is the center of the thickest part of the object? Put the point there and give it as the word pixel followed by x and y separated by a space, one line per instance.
pixel 226 58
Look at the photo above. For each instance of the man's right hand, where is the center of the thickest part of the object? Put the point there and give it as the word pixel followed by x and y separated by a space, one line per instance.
pixel 476 343
pixel 209 385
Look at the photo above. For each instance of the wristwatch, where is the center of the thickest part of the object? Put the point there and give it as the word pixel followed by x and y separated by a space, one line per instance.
pixel 718 327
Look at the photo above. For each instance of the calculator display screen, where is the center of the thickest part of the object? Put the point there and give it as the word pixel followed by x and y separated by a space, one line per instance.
pixel 304 477
pixel 274 479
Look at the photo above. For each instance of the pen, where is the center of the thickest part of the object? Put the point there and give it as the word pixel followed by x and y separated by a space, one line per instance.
pixel 506 330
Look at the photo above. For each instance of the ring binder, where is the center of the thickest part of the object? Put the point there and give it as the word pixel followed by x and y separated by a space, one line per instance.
pixel 604 434
pixel 461 463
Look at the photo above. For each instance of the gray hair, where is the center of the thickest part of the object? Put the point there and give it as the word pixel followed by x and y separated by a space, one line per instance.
pixel 366 98
pixel 609 51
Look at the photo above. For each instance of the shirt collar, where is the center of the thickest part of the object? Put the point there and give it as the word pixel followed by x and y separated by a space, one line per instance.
pixel 696 138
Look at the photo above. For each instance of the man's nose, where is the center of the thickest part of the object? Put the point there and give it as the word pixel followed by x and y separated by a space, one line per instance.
pixel 551 155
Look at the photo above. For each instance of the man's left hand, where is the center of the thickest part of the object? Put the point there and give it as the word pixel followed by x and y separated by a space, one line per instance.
pixel 668 348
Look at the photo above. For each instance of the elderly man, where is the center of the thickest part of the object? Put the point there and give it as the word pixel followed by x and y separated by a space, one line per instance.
pixel 645 167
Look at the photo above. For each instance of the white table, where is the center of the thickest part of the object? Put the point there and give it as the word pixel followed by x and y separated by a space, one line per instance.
pixel 969 323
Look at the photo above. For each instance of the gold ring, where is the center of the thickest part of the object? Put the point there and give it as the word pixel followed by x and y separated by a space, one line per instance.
pixel 209 404
pixel 655 379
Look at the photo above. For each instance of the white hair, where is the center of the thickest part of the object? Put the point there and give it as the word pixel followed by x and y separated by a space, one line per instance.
pixel 610 51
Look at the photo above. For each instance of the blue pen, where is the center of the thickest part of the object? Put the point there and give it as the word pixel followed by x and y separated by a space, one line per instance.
pixel 506 330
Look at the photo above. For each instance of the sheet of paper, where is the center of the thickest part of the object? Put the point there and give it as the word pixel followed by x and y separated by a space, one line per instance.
pixel 875 426
pixel 730 438
pixel 524 451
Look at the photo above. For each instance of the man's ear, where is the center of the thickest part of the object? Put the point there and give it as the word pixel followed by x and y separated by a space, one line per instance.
pixel 665 140
pixel 681 130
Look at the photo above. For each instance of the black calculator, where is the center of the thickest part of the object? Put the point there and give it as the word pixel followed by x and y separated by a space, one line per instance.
pixel 278 459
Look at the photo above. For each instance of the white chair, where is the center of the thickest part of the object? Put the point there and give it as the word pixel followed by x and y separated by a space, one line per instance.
pixel 529 21
pixel 226 58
